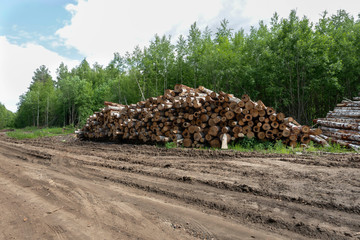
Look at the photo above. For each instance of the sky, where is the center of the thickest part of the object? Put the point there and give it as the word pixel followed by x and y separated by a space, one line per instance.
pixel 48 32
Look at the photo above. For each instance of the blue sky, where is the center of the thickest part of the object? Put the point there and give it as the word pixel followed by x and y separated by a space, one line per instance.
pixel 37 21
pixel 48 32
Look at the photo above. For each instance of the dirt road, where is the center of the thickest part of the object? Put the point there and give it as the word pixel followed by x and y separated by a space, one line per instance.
pixel 62 188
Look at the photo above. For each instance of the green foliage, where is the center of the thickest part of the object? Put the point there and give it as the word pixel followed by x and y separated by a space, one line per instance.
pixel 6 117
pixel 254 145
pixel 33 132
pixel 336 148
pixel 298 67
pixel 36 106
pixel 170 145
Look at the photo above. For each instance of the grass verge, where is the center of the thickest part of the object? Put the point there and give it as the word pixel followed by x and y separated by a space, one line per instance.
pixel 33 132
pixel 254 145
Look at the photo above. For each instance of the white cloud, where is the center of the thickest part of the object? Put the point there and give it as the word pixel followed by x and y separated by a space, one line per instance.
pixel 17 66
pixel 100 28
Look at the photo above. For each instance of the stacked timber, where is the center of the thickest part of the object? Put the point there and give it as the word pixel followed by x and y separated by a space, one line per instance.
pixel 194 118
pixel 342 125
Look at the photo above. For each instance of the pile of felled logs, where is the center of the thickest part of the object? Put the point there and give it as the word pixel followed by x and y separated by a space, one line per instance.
pixel 342 125
pixel 194 118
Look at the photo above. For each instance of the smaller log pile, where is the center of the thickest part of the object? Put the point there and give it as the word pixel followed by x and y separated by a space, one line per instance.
pixel 342 125
pixel 195 118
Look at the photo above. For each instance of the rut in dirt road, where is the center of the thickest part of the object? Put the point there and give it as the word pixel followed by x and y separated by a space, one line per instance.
pixel 310 196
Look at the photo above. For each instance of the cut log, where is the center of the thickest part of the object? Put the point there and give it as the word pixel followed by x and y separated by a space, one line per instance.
pixel 237 130
pixel 187 142
pixel 246 129
pixel 347 108
pixel 344 120
pixel 272 117
pixel 288 120
pixel 214 130
pixel 245 98
pixel 274 124
pixel 261 135
pixel 270 111
pixel 349 114
pixel 292 144
pixel 229 115
pixel 280 116
pixel 248 117
pixel 341 134
pixel 176 137
pixel 179 88
pixel 315 131
pixel 356 147
pixel 254 113
pixel 293 137
pixel 204 90
pixel 204 117
pixel 186 133
pixel 266 126
pixel 198 136
pixel 305 138
pixel 340 125
pixel 215 143
pixel 249 105
pixel 256 129
pixel 208 137
pixel 319 140
pixel 250 134
pixel 349 104
pixel 214 95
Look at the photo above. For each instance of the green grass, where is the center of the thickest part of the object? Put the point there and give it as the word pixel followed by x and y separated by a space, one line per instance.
pixel 33 132
pixel 170 145
pixel 254 145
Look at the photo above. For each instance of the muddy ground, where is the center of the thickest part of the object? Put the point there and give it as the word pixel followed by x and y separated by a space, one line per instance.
pixel 62 188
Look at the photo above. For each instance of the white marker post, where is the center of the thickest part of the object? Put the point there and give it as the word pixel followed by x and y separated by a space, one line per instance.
pixel 224 142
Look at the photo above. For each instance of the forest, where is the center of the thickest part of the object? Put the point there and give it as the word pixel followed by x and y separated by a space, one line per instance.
pixel 6 117
pixel 298 67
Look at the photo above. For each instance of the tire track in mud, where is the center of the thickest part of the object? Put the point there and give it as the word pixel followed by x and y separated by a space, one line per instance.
pixel 137 167
pixel 175 174
pixel 317 159
pixel 74 191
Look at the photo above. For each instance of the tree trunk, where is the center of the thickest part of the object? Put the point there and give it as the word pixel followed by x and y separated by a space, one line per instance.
pixel 47 112
pixel 38 111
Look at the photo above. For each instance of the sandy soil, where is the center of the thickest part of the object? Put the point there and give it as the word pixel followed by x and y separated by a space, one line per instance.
pixel 62 188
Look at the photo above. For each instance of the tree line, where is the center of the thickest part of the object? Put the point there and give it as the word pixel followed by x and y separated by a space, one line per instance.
pixel 6 117
pixel 300 68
